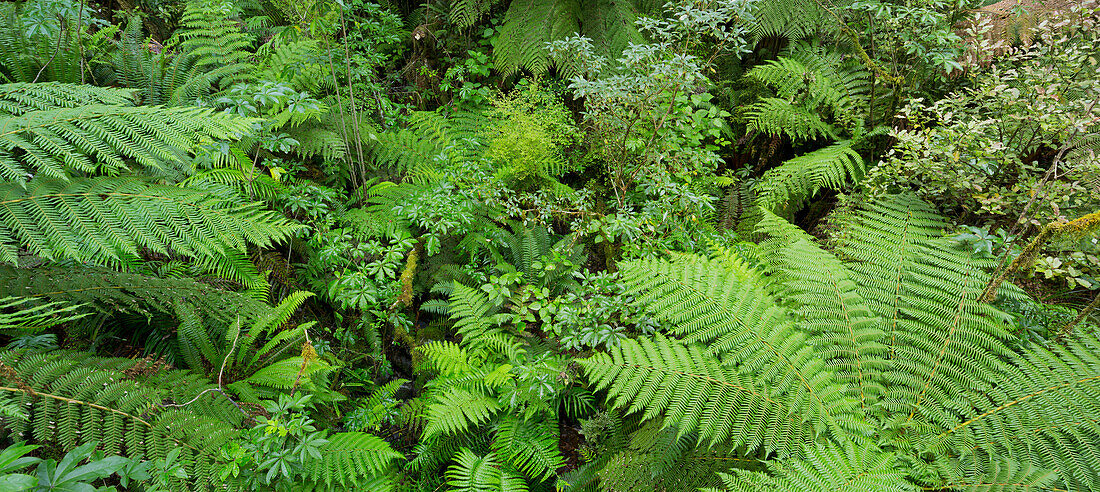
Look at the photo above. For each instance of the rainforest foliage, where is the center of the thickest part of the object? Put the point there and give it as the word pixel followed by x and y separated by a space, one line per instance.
pixel 549 245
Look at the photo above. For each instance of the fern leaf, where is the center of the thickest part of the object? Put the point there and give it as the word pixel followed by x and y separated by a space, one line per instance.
pixel 786 189
pixel 350 459
pixel 692 390
pixel 774 116
pixel 723 303
pixel 456 410
pixel 100 220
pixel 100 138
pixel 531 447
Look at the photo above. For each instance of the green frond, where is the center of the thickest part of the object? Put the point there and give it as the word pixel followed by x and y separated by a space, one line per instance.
pixel 693 391
pixel 208 53
pixel 21 98
pixel 74 398
pixel 775 116
pixel 102 220
pixel 1041 412
pixel 786 189
pixel 466 13
pixel 26 316
pixel 530 447
pixel 96 138
pixel 793 19
pixel 473 473
pixel 351 459
pixel 471 311
pixel 724 304
pixel 530 24
pixel 843 330
pixel 457 410
pixel 833 467
pixel 445 357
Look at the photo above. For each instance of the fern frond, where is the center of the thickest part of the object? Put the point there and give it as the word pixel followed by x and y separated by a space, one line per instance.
pixel 724 304
pixel 21 98
pixel 844 331
pixel 831 466
pixel 350 459
pixel 530 447
pixel 692 390
pixel 101 138
pixel 22 314
pixel 473 473
pixel 786 189
pixel 74 398
pixel 456 410
pixel 101 220
pixel 774 116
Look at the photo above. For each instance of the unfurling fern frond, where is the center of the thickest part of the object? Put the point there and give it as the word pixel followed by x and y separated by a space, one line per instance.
pixel 102 138
pixel 774 116
pixel 74 398
pixel 103 220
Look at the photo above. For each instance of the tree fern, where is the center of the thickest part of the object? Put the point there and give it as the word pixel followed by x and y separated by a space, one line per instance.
pixel 843 330
pixel 775 116
pixel 102 220
pixel 786 189
pixel 836 467
pixel 101 138
pixel 692 390
pixel 473 473
pixel 723 303
pixel 74 399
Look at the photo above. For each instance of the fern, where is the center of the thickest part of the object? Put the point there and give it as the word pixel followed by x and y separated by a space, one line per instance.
pixel 21 98
pixel 456 410
pixel 100 138
pixel 208 53
pixel 531 448
pixel 75 399
pixel 894 312
pixel 774 116
pixel 786 189
pixel 103 220
pixel 473 473
pixel 836 467
pixel 23 315
pixel 350 459
pixel 793 19
pixel 724 304
pixel 844 331
pixel 529 25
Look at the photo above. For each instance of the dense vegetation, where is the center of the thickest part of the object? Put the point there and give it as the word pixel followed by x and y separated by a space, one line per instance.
pixel 536 245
